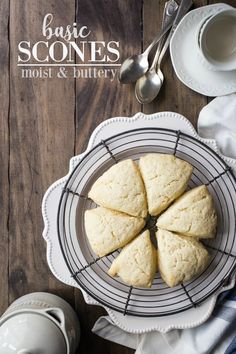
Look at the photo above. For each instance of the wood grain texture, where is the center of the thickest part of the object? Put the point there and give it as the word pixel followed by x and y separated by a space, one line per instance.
pixel 229 2
pixel 99 99
pixel 41 144
pixel 43 122
pixel 4 152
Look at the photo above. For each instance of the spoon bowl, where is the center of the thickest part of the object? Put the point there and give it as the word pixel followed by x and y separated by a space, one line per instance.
pixel 148 87
pixel 137 65
pixel 160 74
pixel 133 68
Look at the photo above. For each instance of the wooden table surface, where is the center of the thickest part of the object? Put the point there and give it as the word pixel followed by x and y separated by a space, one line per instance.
pixel 44 122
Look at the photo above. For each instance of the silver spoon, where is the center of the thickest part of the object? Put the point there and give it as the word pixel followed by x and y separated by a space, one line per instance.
pixel 158 68
pixel 135 66
pixel 148 84
pixel 170 10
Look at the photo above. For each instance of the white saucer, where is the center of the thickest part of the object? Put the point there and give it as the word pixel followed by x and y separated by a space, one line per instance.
pixel 185 56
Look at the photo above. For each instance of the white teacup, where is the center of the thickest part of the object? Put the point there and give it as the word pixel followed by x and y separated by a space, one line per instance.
pixel 217 41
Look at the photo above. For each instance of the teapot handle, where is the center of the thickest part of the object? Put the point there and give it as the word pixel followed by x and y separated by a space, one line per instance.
pixel 57 315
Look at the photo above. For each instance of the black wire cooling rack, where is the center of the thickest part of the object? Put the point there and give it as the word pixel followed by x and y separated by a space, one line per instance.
pixel 90 272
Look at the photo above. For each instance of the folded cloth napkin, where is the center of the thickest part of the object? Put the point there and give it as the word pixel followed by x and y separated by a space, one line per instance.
pixel 214 336
pixel 217 120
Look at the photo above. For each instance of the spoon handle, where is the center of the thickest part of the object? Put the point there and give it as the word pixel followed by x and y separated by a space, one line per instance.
pixel 160 35
pixel 183 9
pixel 186 4
pixel 164 49
pixel 170 11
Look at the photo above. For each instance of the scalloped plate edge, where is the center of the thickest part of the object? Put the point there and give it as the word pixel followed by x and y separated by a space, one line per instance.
pixel 169 120
pixel 148 118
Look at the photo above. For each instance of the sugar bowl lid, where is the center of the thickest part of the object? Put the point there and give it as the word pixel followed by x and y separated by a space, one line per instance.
pixel 30 333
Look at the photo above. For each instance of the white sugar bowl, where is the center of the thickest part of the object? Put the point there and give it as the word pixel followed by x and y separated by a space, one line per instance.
pixel 39 323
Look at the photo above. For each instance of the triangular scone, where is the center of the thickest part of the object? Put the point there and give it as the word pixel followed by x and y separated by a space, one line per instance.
pixel 137 262
pixel 165 177
pixel 193 214
pixel 180 258
pixel 108 230
pixel 121 188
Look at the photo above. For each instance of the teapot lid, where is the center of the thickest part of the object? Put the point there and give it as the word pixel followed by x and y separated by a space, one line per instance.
pixel 31 333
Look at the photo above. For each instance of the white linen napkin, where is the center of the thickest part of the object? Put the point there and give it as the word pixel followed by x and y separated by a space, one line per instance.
pixel 217 120
pixel 214 336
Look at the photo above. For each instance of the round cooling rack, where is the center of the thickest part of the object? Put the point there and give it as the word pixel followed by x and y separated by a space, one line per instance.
pixel 90 271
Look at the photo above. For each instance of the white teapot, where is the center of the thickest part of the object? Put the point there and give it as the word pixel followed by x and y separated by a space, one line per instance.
pixel 39 323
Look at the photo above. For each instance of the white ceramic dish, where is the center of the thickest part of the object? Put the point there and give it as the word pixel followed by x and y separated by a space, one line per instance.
pixel 217 41
pixel 39 320
pixel 189 318
pixel 187 60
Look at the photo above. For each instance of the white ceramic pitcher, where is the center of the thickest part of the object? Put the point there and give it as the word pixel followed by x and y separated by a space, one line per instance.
pixel 39 323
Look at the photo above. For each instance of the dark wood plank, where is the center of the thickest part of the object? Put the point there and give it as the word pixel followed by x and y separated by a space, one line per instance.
pixel 174 95
pixel 4 152
pixel 41 144
pixel 91 343
pixel 97 100
pixel 229 2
